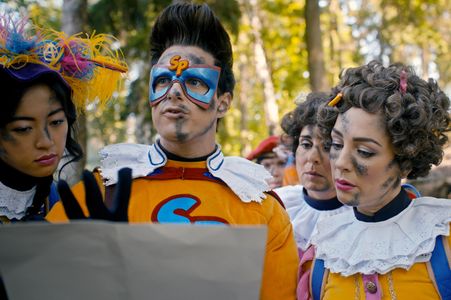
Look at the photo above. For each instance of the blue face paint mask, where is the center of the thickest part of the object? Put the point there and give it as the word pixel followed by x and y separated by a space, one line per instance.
pixel 198 82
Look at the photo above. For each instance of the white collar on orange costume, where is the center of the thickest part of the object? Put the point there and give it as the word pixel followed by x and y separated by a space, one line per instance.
pixel 349 246
pixel 246 179
pixel 303 217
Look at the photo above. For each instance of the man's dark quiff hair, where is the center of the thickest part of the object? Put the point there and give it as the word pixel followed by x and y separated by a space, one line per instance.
pixel 194 25
pixel 416 121
pixel 303 115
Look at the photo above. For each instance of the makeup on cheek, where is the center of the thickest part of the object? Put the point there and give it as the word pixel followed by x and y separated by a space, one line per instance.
pixel 6 136
pixel 345 122
pixel 355 201
pixel 385 187
pixel 333 155
pixel 396 180
pixel 47 133
pixel 361 169
pixel 181 136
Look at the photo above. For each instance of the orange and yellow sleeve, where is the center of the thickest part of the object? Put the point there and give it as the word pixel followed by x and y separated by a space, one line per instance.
pixel 281 261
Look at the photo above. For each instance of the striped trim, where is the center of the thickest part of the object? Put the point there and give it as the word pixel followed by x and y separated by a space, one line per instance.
pixel 432 277
pixel 447 249
pixel 441 267
pixel 318 279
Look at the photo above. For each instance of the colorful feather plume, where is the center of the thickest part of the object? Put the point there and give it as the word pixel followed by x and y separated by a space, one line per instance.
pixel 87 63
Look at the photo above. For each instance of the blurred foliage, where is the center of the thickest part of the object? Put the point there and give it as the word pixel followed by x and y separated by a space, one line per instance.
pixel 354 32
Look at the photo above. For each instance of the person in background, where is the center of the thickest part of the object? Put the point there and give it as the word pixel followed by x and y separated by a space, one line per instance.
pixel 316 197
pixel 184 177
pixel 272 161
pixel 284 150
pixel 384 124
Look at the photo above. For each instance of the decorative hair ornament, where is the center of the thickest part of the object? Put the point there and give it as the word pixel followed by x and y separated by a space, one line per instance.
pixel 336 99
pixel 89 65
pixel 403 82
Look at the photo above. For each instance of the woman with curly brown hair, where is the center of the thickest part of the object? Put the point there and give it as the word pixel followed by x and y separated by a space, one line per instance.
pixel 385 124
pixel 315 198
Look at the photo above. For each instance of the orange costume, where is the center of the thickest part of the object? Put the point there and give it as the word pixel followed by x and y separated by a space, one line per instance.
pixel 218 190
pixel 406 256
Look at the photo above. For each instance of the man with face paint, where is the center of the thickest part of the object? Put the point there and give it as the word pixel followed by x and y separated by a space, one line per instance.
pixel 385 124
pixel 184 177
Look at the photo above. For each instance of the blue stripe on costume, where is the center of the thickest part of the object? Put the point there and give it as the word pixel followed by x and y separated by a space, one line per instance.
pixel 317 278
pixel 441 269
pixel 53 196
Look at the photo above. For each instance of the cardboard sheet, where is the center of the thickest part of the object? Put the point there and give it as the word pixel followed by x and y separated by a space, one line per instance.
pixel 102 260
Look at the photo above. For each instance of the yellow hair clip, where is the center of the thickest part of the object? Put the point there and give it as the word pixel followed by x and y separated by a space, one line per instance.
pixel 337 99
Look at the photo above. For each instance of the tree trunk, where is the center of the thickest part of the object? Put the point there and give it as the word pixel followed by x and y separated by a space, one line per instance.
pixel 74 20
pixel 270 106
pixel 425 61
pixel 242 103
pixel 336 50
pixel 317 77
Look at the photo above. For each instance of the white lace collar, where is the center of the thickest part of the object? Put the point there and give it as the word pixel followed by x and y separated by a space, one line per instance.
pixel 247 180
pixel 350 246
pixel 303 217
pixel 14 203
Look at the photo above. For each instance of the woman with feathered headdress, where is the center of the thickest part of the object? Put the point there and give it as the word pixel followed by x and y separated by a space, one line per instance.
pixel 46 78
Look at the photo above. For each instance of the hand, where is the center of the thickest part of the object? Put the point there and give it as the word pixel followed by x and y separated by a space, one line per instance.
pixel 94 200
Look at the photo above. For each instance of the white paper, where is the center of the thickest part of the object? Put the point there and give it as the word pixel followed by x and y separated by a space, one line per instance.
pixel 103 260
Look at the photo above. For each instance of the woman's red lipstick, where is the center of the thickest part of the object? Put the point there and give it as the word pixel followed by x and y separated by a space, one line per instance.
pixel 343 185
pixel 47 160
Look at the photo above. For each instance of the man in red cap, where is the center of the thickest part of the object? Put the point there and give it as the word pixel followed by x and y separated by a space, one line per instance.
pixel 265 155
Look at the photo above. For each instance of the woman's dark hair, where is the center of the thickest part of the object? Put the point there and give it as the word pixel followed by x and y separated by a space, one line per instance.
pixel 13 91
pixel 416 118
pixel 304 114
pixel 194 25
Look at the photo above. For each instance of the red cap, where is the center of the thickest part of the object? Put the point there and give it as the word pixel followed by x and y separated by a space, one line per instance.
pixel 265 146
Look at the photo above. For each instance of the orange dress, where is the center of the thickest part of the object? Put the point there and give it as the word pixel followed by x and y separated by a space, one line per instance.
pixel 390 259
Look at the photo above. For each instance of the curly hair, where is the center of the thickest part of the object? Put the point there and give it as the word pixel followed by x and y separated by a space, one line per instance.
pixel 416 119
pixel 304 114
pixel 194 25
